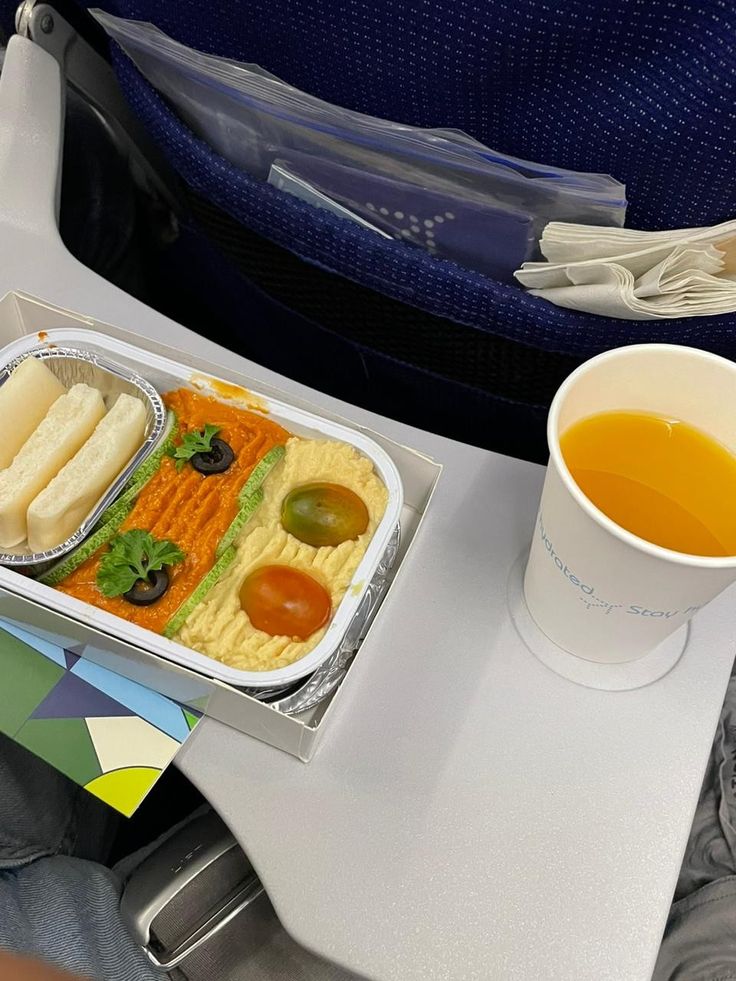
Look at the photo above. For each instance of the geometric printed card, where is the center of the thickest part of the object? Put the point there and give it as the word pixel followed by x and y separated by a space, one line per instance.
pixel 110 735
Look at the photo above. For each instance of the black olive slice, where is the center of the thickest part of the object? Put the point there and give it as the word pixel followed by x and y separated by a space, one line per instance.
pixel 144 592
pixel 216 461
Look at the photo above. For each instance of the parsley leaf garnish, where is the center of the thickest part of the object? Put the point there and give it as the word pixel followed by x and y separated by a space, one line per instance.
pixel 194 442
pixel 133 554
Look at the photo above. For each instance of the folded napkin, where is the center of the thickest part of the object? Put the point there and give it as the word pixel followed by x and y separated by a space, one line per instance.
pixel 636 275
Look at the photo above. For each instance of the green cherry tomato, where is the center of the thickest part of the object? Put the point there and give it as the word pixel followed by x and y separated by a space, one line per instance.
pixel 324 514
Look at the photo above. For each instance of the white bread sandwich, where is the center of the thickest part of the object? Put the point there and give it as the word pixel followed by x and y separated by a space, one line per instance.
pixel 62 506
pixel 25 398
pixel 66 426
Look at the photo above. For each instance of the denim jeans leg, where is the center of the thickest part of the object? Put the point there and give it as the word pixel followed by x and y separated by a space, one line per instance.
pixel 43 813
pixel 55 904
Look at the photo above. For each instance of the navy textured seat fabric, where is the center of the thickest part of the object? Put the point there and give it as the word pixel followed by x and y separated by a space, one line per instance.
pixel 641 89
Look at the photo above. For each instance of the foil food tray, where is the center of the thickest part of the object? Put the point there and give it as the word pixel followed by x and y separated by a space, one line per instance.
pixel 73 366
pixel 301 684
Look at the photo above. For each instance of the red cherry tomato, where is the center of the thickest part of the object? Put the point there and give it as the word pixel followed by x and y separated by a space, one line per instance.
pixel 283 601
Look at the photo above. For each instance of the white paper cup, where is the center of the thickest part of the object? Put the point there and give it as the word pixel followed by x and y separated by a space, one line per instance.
pixel 595 589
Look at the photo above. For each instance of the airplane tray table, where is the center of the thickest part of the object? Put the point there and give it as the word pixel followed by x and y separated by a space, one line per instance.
pixel 482 816
pixel 470 814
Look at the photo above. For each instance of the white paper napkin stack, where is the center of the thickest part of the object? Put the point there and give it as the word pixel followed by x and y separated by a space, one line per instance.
pixel 634 275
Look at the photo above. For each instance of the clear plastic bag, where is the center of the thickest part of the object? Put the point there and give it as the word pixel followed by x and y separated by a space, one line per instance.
pixel 474 233
pixel 253 119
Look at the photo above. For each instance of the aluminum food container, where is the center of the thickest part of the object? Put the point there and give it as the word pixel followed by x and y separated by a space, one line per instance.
pixel 350 619
pixel 72 366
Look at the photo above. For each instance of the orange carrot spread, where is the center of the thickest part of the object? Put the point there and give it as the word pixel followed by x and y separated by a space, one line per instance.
pixel 191 510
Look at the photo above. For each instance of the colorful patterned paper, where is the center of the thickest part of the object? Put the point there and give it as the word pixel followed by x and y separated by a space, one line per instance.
pixel 110 735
